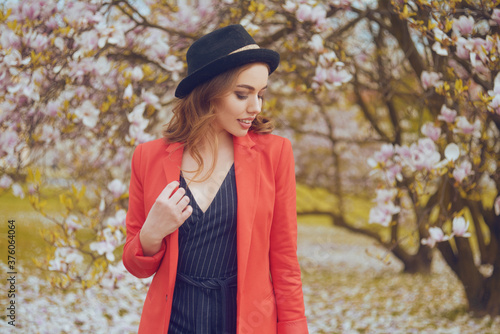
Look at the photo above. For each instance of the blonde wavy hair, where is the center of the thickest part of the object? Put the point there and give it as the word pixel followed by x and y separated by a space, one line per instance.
pixel 193 117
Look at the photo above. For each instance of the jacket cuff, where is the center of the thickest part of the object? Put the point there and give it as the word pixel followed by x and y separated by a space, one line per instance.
pixel 142 265
pixel 293 327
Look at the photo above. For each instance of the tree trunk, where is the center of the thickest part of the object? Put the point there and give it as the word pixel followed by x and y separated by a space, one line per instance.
pixel 420 262
pixel 491 295
pixel 482 293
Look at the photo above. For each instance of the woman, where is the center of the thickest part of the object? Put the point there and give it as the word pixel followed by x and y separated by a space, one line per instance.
pixel 212 205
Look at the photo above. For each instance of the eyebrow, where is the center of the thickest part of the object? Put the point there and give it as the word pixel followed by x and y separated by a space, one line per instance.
pixel 249 87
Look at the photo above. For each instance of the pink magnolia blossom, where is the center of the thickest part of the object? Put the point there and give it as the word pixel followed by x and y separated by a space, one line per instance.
pixel 17 190
pixel 440 37
pixel 51 109
pixel 337 76
pixel 464 25
pixel 497 206
pixel 38 42
pixel 393 173
pixel 382 214
pixel 88 114
pixel 495 16
pixel 460 227
pixel 482 27
pixel 127 94
pixel 327 59
pixel 111 240
pixel 462 171
pixel 14 58
pixel 151 99
pixel 386 152
pixel 30 10
pixel 8 40
pixel 63 257
pixel 385 195
pixel 403 151
pixel 464 47
pixel 290 6
pixel 81 15
pixel 118 219
pixel 465 127
pixel 50 134
pixel 88 40
pixel 495 102
pixel 436 234
pixel 156 44
pixel 448 115
pixel 117 188
pixel 452 152
pixel 321 75
pixel 5 181
pixel 136 118
pixel 174 65
pixel 304 13
pixel 136 73
pixel 9 140
pixel 316 43
pixel 431 131
pixel 430 79
pixel 318 16
pixel 384 210
pixel 424 155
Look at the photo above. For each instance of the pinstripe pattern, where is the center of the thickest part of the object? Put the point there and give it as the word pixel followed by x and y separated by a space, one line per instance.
pixel 207 258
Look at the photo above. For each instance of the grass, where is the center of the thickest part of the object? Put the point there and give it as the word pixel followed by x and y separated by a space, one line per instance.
pixel 29 243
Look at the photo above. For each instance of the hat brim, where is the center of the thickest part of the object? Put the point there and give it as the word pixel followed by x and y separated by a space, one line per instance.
pixel 211 70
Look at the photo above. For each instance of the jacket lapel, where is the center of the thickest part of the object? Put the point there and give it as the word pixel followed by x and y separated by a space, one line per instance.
pixel 172 162
pixel 246 169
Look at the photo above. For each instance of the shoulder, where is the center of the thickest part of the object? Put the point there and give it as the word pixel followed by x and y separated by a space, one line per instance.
pixel 273 147
pixel 153 145
pixel 270 142
pixel 153 149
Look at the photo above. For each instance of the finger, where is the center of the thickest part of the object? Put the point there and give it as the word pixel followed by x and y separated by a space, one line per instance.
pixel 169 189
pixel 177 195
pixel 183 202
pixel 186 213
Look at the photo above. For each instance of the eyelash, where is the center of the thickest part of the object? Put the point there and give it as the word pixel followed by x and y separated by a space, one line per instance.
pixel 244 97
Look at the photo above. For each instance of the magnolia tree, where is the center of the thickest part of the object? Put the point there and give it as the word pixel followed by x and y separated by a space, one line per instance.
pixel 83 82
pixel 425 76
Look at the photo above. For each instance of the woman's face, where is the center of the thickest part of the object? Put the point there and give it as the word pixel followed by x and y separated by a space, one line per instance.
pixel 236 110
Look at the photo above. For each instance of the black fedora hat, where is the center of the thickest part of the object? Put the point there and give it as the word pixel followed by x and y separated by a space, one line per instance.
pixel 221 50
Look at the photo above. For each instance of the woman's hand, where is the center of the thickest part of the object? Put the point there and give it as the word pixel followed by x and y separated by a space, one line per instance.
pixel 170 211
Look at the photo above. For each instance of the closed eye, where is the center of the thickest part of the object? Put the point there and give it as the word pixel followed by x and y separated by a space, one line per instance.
pixel 241 96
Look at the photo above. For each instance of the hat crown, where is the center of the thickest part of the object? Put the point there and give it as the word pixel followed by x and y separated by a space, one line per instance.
pixel 215 45
pixel 219 51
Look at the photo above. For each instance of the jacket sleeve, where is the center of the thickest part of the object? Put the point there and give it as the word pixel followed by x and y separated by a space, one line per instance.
pixel 133 258
pixel 285 270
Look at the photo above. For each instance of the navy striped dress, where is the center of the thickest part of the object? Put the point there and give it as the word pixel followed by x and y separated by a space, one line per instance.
pixel 204 300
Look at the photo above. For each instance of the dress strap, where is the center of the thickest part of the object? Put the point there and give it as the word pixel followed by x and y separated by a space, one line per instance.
pixel 212 284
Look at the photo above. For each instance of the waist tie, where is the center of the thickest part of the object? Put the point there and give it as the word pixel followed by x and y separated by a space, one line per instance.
pixel 213 284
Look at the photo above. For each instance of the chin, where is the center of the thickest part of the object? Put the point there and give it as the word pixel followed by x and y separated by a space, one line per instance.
pixel 241 133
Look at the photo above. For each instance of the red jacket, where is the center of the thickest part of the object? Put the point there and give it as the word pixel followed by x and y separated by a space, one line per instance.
pixel 269 291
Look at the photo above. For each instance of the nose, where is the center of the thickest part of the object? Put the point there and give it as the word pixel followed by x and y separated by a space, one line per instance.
pixel 255 105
